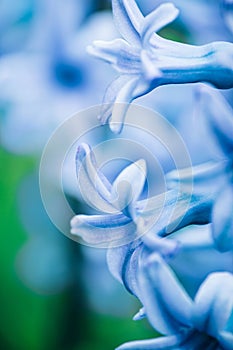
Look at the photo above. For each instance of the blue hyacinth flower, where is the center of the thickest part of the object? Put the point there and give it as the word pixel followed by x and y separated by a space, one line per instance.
pixel 123 217
pixel 202 323
pixel 145 60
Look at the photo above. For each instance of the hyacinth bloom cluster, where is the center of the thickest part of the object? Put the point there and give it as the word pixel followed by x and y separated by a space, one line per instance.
pixel 173 251
pixel 145 265
pixel 145 60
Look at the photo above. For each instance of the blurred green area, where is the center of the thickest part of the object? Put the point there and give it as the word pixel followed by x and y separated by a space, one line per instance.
pixel 40 322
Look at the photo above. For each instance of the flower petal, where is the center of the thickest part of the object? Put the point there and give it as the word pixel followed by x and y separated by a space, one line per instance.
pixel 218 118
pixel 165 343
pixel 128 19
pixel 128 186
pixel 110 96
pixel 167 305
pixel 206 176
pixel 151 72
pixel 122 104
pixel 222 219
pixel 140 314
pixel 93 184
pixel 156 20
pixel 170 211
pixel 103 230
pixel 213 306
pixel 123 263
pixel 123 57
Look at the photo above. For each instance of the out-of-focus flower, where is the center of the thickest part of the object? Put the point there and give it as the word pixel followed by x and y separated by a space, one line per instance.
pixel 145 60
pixel 53 78
pixel 228 13
pixel 16 22
pixel 196 17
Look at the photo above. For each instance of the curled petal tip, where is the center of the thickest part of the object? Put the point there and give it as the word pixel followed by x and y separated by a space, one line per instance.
pixel 91 50
pixel 82 150
pixel 140 315
pixel 154 259
pixel 116 127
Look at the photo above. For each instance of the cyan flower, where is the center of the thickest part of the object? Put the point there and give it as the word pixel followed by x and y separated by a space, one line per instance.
pixel 202 323
pixel 145 60
pixel 124 217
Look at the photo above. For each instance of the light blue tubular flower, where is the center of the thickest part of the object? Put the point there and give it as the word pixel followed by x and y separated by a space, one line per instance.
pixel 202 323
pixel 218 116
pixel 122 221
pixel 124 217
pixel 145 60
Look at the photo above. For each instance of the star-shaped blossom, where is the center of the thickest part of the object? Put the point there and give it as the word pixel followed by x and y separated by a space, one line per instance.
pixel 145 60
pixel 202 323
pixel 124 217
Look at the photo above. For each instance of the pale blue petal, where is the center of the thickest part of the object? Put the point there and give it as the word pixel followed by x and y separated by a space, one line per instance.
pixel 218 115
pixel 166 343
pixel 123 263
pixel 123 57
pixel 167 248
pixel 156 20
pixel 103 230
pixel 207 176
pixel 108 50
pixel 167 305
pixel 93 184
pixel 118 97
pixel 222 218
pixel 128 186
pixel 170 211
pixel 150 71
pixel 184 341
pixel 212 63
pixel 143 87
pixel 110 96
pixel 140 314
pixel 122 104
pixel 128 19
pixel 213 305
